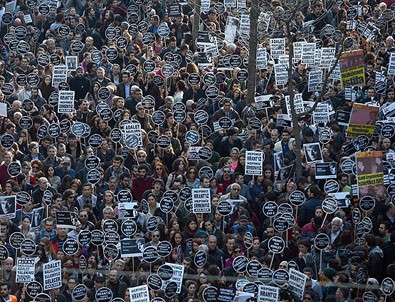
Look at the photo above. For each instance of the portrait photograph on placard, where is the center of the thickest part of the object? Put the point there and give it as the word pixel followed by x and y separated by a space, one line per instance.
pixel 7 206
pixel 312 152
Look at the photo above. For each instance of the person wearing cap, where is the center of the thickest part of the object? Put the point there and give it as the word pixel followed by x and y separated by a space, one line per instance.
pixel 243 226
pixel 98 281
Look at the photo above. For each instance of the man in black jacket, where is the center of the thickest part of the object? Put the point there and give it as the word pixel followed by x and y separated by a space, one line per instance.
pixel 79 84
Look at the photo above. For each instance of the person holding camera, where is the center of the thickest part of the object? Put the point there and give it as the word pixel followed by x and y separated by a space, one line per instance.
pixel 65 168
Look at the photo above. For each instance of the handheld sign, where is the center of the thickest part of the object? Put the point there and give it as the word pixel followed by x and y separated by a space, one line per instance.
pixel 97 237
pixel 79 292
pixel 270 209
pixel 70 247
pixel 33 289
pixel 280 277
pixel 321 241
pixel 276 245
pixel 367 203
pixel 165 272
pixel 329 205
pixel 248 240
pixel 224 208
pixel 387 286
pixel 111 252
pixel 240 264
pixel 150 254
pixel 253 268
pixel 3 253
pixel 280 224
pixel 265 275
pixel 164 248
pixel 152 223
pixel 297 198
pixel 16 240
pixel 103 294
pixel 14 169
pixel 28 247
pixel 154 282
pixel 200 258
pixel 128 227
pixel 210 294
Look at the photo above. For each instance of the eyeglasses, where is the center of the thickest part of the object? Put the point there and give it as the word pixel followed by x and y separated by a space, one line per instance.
pixel 308 298
pixel 141 155
pixel 155 236
pixel 83 215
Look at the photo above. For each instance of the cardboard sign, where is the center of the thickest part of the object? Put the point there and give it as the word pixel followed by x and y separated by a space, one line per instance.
pixel 201 200
pixel 254 162
pixel 312 152
pixel 8 206
pixel 25 270
pixel 52 275
pixel 362 120
pixel 66 101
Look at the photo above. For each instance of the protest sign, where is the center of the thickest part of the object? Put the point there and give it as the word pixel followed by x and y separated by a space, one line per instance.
pixel 25 270
pixel 370 173
pixel 297 281
pixel 178 273
pixel 352 68
pixel 139 293
pixel 201 200
pixel 325 170
pixel 59 75
pixel 65 219
pixel 315 80
pixel 132 134
pixel 312 152
pixel 52 274
pixel 268 293
pixel 277 47
pixel 66 101
pixel 362 120
pixel 254 162
pixel 8 206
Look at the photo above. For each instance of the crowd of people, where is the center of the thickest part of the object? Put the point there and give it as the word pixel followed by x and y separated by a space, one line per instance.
pixel 138 61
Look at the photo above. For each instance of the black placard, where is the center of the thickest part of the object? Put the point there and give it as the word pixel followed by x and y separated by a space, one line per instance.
pixel 171 289
pixel 97 237
pixel 154 282
pixel 321 241
pixel 16 240
pixel 165 272
pixel 85 237
pixel 150 254
pixel 200 258
pixel 103 294
pixel 28 247
pixel 111 252
pixel 240 264
pixel 276 245
pixel 3 253
pixel 70 247
pixel 128 228
pixel 14 169
pixel 33 289
pixel 79 292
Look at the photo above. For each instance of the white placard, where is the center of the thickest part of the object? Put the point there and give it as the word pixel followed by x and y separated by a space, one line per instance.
pixel 391 64
pixel 201 200
pixel 52 274
pixel 320 113
pixel 327 56
pixel 66 101
pixel 277 47
pixel 254 163
pixel 139 293
pixel 59 74
pixel 244 24
pixel 280 74
pixel 315 80
pixel 298 282
pixel 261 58
pixel 298 50
pixel 3 109
pixel 268 293
pixel 25 269
pixel 133 128
pixel 298 103
pixel 178 275
pixel 308 53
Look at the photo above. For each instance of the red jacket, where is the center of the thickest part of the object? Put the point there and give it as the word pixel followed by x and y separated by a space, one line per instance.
pixel 139 186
